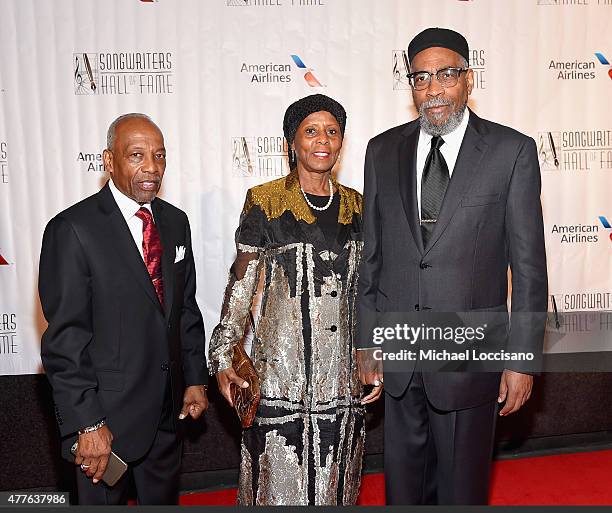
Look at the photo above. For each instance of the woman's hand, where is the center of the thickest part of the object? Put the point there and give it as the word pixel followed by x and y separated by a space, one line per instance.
pixel 224 378
pixel 374 395
pixel 370 373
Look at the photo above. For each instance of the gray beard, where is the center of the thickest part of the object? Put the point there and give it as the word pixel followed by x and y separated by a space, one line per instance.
pixel 453 121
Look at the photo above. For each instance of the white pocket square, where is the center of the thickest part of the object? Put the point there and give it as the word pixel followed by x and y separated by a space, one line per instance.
pixel 180 254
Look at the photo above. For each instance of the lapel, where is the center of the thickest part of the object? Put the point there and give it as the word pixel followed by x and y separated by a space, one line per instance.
pixel 168 254
pixel 122 241
pixel 407 180
pixel 471 152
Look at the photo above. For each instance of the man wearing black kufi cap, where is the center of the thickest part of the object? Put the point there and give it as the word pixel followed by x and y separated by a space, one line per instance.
pixel 450 202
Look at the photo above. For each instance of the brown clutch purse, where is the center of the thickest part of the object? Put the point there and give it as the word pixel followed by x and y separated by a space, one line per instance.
pixel 245 400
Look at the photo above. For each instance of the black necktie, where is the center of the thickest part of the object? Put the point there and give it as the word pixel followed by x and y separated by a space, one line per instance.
pixel 433 187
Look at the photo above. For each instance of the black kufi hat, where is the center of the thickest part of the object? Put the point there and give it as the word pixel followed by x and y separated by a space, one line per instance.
pixel 439 37
pixel 304 107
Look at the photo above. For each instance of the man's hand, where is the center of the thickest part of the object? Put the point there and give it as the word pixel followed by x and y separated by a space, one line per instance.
pixel 195 402
pixel 224 378
pixel 93 452
pixel 515 389
pixel 370 373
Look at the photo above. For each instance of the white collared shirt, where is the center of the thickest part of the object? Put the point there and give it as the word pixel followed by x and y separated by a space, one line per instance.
pixel 128 208
pixel 450 151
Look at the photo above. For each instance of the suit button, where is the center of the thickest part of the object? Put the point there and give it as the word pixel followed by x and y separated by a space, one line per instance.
pixel 169 325
pixel 416 307
pixel 164 366
pixel 423 265
pixel 333 293
pixel 333 328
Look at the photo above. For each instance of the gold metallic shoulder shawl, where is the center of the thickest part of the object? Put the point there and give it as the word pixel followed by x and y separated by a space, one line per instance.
pixel 278 196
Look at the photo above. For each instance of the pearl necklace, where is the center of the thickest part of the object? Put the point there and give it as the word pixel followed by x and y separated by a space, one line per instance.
pixel 331 198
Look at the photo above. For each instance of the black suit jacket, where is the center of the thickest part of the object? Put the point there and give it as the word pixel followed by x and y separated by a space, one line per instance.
pixel 110 346
pixel 491 218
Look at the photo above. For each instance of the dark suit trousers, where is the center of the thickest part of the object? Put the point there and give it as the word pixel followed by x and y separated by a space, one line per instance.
pixel 433 456
pixel 155 475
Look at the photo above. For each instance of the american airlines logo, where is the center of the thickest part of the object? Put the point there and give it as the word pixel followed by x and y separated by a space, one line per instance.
pixel 606 225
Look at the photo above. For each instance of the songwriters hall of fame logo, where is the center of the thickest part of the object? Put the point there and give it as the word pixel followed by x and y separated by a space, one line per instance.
pixel 593 301
pixel 85 73
pixel 262 156
pixel 123 73
pixel 8 333
pixel 401 69
pixel 575 150
pixel 4 171
pixel 275 3
pixel 562 3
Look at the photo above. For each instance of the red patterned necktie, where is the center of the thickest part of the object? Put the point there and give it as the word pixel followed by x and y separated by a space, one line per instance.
pixel 152 251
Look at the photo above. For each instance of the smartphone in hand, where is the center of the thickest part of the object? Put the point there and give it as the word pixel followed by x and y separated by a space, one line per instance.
pixel 114 470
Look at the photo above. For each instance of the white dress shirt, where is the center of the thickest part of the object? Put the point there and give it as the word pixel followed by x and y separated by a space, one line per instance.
pixel 450 151
pixel 128 208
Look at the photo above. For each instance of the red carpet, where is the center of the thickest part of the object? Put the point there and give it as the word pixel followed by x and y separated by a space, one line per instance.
pixel 567 479
pixel 578 479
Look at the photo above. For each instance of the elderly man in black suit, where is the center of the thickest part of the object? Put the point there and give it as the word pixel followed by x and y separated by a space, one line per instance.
pixel 124 349
pixel 450 202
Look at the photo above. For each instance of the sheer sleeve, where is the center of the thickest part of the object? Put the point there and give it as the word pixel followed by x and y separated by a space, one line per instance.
pixel 241 287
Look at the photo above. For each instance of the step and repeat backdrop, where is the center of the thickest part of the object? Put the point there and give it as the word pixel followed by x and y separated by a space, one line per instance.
pixel 217 76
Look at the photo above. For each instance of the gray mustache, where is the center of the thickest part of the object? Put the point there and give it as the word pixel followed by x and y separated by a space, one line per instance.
pixel 436 102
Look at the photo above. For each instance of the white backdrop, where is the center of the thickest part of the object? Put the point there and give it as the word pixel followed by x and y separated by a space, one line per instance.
pixel 217 76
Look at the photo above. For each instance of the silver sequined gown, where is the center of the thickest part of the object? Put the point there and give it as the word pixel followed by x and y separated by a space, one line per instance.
pixel 306 444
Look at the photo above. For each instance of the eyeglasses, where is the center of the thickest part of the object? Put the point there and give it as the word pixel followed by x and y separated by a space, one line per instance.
pixel 447 77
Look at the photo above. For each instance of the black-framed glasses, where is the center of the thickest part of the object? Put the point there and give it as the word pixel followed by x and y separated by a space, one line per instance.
pixel 447 77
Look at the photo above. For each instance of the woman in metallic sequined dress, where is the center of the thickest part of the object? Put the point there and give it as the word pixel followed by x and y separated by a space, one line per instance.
pixel 303 232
